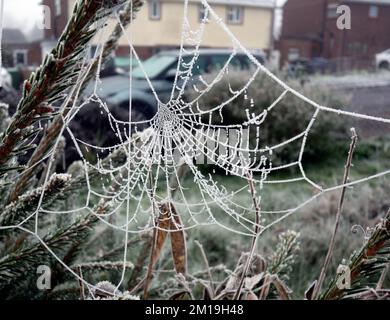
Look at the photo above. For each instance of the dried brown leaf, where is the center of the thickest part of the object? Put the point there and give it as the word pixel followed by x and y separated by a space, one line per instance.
pixel 251 296
pixel 309 292
pixel 178 243
pixel 163 225
pixel 265 287
pixel 251 282
pixel 282 289
pixel 182 295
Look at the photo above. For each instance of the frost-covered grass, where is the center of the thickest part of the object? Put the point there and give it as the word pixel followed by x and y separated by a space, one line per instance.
pixel 365 204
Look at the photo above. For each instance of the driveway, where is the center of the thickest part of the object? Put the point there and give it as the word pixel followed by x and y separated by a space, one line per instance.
pixel 373 101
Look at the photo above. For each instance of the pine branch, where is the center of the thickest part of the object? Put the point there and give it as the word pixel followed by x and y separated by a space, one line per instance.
pixel 54 129
pixel 43 88
pixel 16 266
pixel 367 264
pixel 53 78
pixel 102 266
pixel 27 204
pixel 65 243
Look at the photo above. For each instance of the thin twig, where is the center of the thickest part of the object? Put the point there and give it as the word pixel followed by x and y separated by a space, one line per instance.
pixel 382 277
pixel 81 283
pixel 328 257
pixel 206 262
pixel 154 240
pixel 256 236
pixel 182 280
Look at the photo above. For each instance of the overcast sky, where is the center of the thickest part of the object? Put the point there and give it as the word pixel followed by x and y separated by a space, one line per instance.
pixel 25 13
pixel 21 13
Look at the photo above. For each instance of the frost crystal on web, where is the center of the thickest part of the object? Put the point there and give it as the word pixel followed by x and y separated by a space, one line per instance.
pixel 171 157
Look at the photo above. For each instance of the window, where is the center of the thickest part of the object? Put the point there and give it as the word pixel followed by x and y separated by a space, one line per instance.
pixel 357 48
pixel 293 54
pixel 20 57
pixel 373 12
pixel 58 7
pixel 202 13
pixel 154 10
pixel 332 11
pixel 235 15
pixel 92 51
pixel 155 65
pixel 201 65
pixel 218 62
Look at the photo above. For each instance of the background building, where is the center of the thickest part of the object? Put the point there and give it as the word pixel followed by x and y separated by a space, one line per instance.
pixel 310 30
pixel 18 51
pixel 158 25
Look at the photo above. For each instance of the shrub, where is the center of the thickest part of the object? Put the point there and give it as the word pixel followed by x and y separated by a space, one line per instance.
pixel 288 118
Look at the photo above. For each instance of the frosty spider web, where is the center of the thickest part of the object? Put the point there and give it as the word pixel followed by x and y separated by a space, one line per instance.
pixel 178 139
pixel 1 37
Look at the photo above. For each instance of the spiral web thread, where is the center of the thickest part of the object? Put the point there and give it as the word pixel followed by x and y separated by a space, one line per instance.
pixel 145 179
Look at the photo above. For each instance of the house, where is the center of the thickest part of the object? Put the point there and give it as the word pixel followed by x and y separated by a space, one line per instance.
pixel 18 52
pixel 15 48
pixel 317 34
pixel 158 25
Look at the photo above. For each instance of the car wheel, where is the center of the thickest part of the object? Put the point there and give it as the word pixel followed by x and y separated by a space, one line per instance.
pixel 384 65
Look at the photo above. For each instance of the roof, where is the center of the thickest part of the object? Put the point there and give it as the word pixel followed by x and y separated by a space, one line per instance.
pixel 370 1
pixel 13 36
pixel 249 3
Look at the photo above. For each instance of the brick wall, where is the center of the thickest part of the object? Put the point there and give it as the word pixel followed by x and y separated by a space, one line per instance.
pixel 307 27
pixel 34 54
pixel 302 29
pixel 58 23
pixel 367 36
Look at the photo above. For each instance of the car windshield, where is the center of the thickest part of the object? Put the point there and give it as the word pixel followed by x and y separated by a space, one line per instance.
pixel 154 66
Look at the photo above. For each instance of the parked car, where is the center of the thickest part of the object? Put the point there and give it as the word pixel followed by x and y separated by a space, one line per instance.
pixel 161 71
pixel 318 65
pixel 302 66
pixel 383 60
pixel 118 65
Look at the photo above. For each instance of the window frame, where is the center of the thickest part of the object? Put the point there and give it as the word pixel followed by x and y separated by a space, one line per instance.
pixel 58 7
pixel 206 63
pixel 293 53
pixel 332 8
pixel 235 21
pixel 25 57
pixel 152 16
pixel 202 13
pixel 376 11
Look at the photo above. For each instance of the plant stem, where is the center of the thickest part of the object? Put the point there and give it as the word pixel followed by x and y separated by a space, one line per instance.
pixel 206 262
pixel 382 277
pixel 255 237
pixel 332 242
